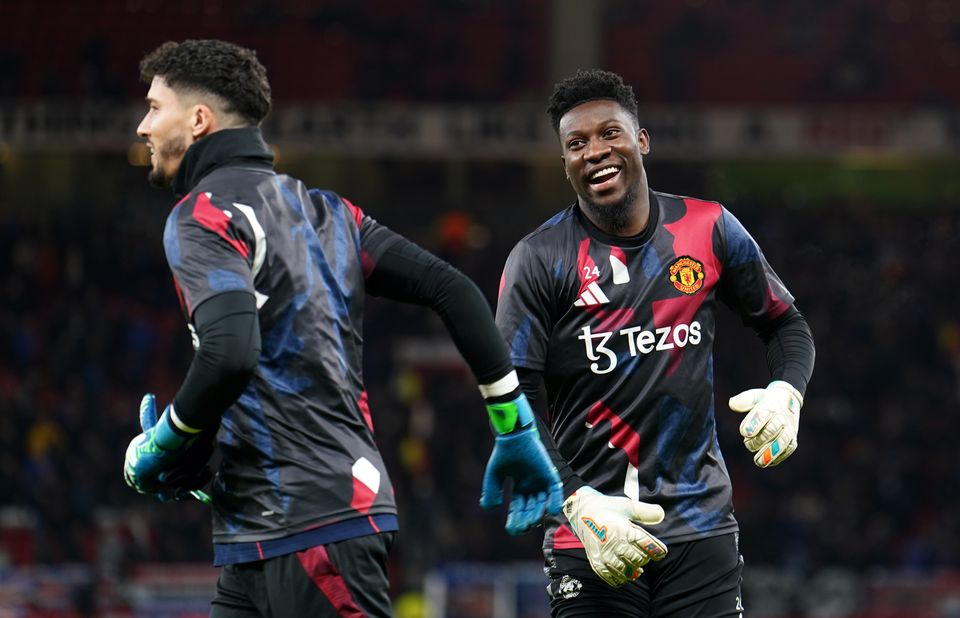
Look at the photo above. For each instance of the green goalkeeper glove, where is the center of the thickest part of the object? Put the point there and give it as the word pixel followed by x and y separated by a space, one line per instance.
pixel 617 547
pixel 153 451
pixel 772 422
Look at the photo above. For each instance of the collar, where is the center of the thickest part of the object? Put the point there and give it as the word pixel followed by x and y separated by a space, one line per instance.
pixel 220 148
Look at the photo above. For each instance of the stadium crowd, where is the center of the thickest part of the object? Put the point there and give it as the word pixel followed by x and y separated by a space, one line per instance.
pixel 814 51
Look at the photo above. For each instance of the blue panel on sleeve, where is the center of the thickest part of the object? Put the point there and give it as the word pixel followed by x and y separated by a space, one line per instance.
pixel 521 342
pixel 741 248
pixel 221 280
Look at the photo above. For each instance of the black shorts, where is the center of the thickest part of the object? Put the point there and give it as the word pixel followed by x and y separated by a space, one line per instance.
pixel 698 578
pixel 348 578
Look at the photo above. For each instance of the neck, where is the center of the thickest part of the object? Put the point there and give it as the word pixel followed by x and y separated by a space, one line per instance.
pixel 628 217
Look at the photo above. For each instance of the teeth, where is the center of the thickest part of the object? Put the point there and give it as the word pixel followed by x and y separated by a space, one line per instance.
pixel 604 171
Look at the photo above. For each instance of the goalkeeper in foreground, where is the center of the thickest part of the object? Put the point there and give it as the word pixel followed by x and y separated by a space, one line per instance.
pixel 611 303
pixel 271 277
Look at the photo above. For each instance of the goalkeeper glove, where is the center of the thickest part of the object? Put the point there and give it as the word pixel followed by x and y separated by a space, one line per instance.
pixel 616 546
pixel 519 454
pixel 190 472
pixel 156 449
pixel 773 419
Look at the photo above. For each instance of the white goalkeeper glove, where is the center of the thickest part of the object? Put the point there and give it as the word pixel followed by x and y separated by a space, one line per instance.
pixel 616 546
pixel 771 425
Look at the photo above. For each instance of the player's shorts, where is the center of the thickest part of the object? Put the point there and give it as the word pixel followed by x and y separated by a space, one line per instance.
pixel 348 578
pixel 698 578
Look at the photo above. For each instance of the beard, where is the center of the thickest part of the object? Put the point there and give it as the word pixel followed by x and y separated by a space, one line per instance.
pixel 616 216
pixel 172 149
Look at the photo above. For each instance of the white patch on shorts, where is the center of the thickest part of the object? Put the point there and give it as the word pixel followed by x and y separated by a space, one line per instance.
pixel 569 587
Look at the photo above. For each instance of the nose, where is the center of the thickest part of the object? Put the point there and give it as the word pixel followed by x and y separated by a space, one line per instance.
pixel 142 128
pixel 596 150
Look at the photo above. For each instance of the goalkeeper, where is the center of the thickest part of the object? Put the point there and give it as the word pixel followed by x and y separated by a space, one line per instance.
pixel 611 305
pixel 272 277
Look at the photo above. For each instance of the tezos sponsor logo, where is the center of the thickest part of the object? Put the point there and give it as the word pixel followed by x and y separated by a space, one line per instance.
pixel 639 341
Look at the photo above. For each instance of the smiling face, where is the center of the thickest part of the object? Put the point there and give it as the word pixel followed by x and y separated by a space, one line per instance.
pixel 603 153
pixel 169 128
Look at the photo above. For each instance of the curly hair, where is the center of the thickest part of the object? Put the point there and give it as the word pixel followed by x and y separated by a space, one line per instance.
pixel 230 72
pixel 591 85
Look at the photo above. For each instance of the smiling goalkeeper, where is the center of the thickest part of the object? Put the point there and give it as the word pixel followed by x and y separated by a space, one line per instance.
pixel 611 303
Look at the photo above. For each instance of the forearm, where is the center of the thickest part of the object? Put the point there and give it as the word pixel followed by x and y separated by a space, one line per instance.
pixel 408 273
pixel 530 385
pixel 790 349
pixel 229 335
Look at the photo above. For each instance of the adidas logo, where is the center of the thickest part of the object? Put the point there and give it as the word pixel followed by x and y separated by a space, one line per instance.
pixel 592 296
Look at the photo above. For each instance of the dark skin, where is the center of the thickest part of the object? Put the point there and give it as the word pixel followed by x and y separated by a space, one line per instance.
pixel 603 150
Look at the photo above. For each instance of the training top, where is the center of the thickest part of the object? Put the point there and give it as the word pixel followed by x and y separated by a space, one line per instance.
pixel 299 464
pixel 622 331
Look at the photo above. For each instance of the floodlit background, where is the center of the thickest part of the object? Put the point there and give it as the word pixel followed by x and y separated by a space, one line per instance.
pixel 830 127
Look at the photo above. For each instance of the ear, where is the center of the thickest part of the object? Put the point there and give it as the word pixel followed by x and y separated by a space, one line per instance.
pixel 563 164
pixel 203 121
pixel 643 138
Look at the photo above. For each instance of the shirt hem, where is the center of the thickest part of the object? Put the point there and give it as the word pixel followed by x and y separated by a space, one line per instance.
pixel 253 551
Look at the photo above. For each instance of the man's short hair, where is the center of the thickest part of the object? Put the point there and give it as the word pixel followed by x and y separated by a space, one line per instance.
pixel 230 72
pixel 591 85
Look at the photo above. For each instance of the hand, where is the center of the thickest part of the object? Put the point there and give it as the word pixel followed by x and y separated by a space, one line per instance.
pixel 519 454
pixel 616 546
pixel 771 425
pixel 153 451
pixel 190 473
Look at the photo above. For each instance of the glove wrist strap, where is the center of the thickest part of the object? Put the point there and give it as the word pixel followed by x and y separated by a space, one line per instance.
pixel 167 435
pixel 510 416
pixel 789 388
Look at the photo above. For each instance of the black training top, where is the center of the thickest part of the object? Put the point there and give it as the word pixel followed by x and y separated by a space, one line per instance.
pixel 622 331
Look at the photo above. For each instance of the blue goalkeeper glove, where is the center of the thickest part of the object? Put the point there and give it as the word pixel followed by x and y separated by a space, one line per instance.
pixel 518 454
pixel 157 448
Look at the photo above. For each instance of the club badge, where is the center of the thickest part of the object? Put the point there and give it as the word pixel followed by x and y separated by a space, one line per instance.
pixel 686 274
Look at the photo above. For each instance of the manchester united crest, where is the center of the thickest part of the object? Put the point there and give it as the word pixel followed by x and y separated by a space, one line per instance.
pixel 686 274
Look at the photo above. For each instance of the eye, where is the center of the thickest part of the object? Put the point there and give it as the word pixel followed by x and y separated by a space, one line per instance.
pixel 611 132
pixel 575 143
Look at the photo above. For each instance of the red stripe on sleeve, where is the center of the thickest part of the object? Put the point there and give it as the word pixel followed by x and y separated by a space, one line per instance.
pixel 357 212
pixel 366 263
pixel 776 304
